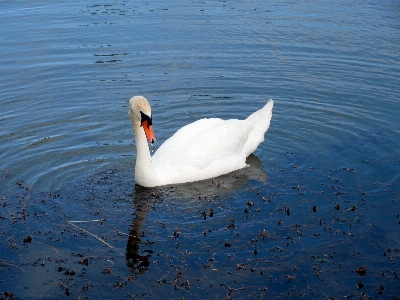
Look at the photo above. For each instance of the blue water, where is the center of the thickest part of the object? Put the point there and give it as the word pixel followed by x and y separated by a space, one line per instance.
pixel 333 69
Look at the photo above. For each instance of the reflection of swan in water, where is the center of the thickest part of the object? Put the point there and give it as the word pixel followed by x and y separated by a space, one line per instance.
pixel 144 200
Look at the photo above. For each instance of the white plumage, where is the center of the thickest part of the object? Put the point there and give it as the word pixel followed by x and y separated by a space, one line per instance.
pixel 204 149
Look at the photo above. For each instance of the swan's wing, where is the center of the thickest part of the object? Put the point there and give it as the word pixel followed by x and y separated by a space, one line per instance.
pixel 190 131
pixel 203 149
pixel 210 147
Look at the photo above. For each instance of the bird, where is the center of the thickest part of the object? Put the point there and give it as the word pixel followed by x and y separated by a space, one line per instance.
pixel 201 150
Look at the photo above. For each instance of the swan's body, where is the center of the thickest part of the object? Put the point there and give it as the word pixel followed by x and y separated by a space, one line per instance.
pixel 204 149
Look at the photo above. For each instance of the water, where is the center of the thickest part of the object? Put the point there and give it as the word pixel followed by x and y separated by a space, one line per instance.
pixel 332 69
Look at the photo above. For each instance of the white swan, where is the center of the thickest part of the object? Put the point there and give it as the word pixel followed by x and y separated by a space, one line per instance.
pixel 204 149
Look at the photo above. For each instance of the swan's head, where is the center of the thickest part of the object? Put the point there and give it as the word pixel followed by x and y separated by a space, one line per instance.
pixel 140 111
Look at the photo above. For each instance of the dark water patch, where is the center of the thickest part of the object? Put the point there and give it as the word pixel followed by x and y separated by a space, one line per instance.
pixel 305 232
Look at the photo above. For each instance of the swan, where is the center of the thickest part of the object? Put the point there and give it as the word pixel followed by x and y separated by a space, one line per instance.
pixel 203 149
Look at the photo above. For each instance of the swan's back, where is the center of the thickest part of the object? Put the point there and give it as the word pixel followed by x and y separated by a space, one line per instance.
pixel 210 147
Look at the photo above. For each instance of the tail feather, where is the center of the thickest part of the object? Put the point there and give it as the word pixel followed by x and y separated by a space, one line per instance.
pixel 264 113
pixel 261 119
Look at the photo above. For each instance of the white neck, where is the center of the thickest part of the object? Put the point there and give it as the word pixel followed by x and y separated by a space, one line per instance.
pixel 144 170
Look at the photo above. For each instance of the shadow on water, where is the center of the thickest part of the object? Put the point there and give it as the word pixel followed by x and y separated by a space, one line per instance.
pixel 145 199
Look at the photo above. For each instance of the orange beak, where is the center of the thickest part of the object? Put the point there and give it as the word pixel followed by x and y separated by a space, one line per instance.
pixel 148 130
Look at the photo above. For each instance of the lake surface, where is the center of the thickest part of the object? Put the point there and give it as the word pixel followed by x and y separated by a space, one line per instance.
pixel 321 201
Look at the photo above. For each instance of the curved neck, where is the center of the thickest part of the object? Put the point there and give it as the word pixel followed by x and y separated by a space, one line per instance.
pixel 144 170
